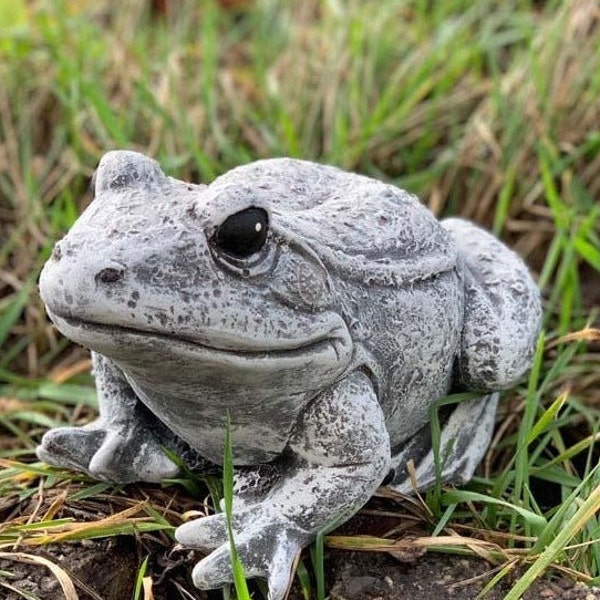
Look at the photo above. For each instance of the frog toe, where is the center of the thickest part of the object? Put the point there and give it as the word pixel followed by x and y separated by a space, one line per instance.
pixel 214 571
pixel 70 447
pixel 125 459
pixel 207 533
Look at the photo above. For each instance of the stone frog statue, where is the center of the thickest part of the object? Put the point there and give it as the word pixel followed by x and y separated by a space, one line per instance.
pixel 323 313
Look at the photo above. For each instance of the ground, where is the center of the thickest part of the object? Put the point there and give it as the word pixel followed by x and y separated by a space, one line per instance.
pixel 106 569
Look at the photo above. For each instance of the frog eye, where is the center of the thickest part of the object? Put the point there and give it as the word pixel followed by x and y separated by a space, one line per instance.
pixel 243 234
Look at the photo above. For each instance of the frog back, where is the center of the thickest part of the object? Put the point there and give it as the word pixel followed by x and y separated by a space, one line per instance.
pixel 393 271
pixel 364 231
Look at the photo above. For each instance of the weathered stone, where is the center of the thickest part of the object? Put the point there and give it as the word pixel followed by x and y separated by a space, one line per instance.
pixel 323 313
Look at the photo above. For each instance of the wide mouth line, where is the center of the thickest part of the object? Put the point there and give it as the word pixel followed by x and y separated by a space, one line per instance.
pixel 300 348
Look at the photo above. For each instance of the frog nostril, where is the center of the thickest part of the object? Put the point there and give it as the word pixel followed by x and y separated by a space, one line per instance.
pixel 109 275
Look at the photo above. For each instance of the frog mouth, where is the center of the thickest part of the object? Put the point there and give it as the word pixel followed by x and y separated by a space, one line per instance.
pixel 97 336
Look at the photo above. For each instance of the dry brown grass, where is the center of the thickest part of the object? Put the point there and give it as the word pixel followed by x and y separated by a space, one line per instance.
pixel 490 110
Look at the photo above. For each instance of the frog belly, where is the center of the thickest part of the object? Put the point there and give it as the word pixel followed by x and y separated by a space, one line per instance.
pixel 259 429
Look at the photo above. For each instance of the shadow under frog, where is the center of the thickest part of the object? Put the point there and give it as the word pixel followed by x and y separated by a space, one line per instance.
pixel 323 312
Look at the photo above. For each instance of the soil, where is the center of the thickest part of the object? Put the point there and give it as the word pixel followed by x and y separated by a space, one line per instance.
pixel 106 570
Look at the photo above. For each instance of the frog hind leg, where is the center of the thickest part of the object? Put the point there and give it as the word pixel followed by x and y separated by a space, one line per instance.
pixel 465 436
pixel 122 445
pixel 502 316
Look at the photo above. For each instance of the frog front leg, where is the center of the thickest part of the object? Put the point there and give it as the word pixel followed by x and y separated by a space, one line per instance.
pixel 119 446
pixel 337 457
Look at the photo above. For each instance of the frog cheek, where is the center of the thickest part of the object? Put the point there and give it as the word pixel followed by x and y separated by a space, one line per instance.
pixel 299 284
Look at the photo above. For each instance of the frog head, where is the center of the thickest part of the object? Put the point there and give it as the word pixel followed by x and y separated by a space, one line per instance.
pixel 168 275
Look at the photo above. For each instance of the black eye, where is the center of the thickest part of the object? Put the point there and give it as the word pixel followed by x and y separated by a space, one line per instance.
pixel 244 233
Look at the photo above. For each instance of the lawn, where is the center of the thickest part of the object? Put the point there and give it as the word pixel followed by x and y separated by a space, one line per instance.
pixel 489 110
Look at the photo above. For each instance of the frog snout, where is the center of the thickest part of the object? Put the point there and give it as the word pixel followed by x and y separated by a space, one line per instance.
pixel 64 250
pixel 75 279
pixel 102 271
pixel 56 252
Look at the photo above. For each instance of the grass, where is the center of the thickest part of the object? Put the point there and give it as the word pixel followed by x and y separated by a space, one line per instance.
pixel 489 110
pixel 239 581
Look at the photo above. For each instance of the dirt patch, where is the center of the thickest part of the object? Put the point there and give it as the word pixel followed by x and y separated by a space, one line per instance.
pixel 106 570
pixel 432 577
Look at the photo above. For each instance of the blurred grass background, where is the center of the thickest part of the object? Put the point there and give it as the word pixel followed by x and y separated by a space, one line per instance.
pixel 489 109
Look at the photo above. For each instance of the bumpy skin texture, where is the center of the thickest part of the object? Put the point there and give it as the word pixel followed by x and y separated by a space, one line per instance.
pixel 323 311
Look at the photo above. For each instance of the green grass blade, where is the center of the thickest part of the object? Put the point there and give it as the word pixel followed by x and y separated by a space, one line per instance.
pixel 139 579
pixel 575 524
pixel 13 311
pixel 239 579
pixel 536 522
pixel 304 580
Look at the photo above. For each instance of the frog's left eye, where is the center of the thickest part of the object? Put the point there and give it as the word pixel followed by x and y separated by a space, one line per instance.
pixel 243 234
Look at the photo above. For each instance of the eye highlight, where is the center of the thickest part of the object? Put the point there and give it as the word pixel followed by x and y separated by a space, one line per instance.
pixel 242 234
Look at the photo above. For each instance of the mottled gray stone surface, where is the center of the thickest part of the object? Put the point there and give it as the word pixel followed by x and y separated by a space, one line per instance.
pixel 323 311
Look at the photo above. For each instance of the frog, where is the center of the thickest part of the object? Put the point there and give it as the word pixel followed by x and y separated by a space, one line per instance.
pixel 312 318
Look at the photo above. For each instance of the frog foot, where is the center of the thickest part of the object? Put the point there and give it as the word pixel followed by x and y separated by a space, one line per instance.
pixel 70 447
pixel 464 440
pixel 122 456
pixel 266 545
